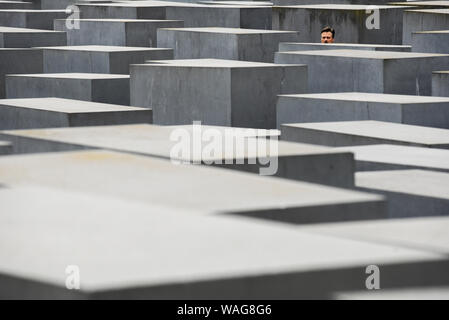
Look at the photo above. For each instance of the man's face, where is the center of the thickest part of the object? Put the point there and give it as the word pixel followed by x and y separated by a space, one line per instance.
pixel 326 37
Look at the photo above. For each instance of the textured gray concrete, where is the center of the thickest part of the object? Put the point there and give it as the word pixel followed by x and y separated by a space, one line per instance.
pixel 439 4
pixel 16 5
pixel 431 41
pixel 352 133
pixel 367 71
pixel 223 43
pixel 121 251
pixel 393 157
pixel 57 112
pixel 346 106
pixel 304 46
pixel 349 21
pixel 202 189
pixel 296 161
pixel 105 88
pixel 18 61
pixel 215 92
pixel 423 20
pixel 238 3
pixel 410 193
pixel 440 83
pixel 5 147
pixel 99 59
pixel 116 32
pixel 34 19
pixel 193 15
pixel 310 2
pixel 27 38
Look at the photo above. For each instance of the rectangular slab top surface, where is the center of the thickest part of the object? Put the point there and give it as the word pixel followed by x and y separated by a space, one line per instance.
pixel 211 63
pixel 371 97
pixel 433 11
pixel 86 76
pixel 65 105
pixel 381 129
pixel 31 11
pixel 230 30
pixel 347 44
pixel 143 4
pixel 122 20
pixel 99 48
pixel 341 7
pixel 363 54
pixel 25 30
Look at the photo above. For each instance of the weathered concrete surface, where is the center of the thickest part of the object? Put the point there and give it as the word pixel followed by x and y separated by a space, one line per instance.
pixel 304 46
pixel 411 193
pixel 423 20
pixel 5 147
pixel 33 19
pixel 105 88
pixel 193 15
pixel 18 61
pixel 215 92
pixel 16 5
pixel 57 112
pixel 237 3
pixel 394 157
pixel 294 161
pixel 98 59
pixel 339 2
pixel 27 38
pixel 116 32
pixel 224 43
pixel 156 182
pixel 352 133
pixel 347 106
pixel 349 21
pixel 440 83
pixel 367 71
pixel 431 41
pixel 142 234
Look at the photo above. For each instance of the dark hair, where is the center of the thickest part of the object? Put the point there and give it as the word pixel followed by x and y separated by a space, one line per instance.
pixel 328 29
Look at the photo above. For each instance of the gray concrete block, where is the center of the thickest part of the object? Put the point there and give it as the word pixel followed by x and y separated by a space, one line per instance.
pixel 116 32
pixel 98 59
pixel 440 83
pixel 423 4
pixel 303 46
pixel 193 15
pixel 57 112
pixel 33 19
pixel 410 193
pixel 347 106
pixel 18 61
pixel 349 21
pixel 353 133
pixel 295 161
pixel 105 88
pixel 309 2
pixel 237 3
pixel 396 157
pixel 367 71
pixel 431 41
pixel 424 20
pixel 5 147
pixel 215 92
pixel 223 43
pixel 156 181
pixel 142 234
pixel 27 38
pixel 16 5
pixel 54 4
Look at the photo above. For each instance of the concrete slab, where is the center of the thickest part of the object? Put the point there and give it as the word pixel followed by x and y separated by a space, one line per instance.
pixel 215 92
pixel 304 46
pixel 5 147
pixel 95 87
pixel 367 71
pixel 424 4
pixel 348 20
pixel 18 61
pixel 415 293
pixel 116 32
pixel 54 4
pixel 423 20
pixel 234 267
pixel 394 157
pixel 431 41
pixel 293 160
pixel 347 106
pixel 33 19
pixel 26 38
pixel 223 43
pixel 98 59
pixel 193 15
pixel 410 193
pixel 16 5
pixel 440 83
pixel 308 2
pixel 237 3
pixel 352 133
pixel 57 112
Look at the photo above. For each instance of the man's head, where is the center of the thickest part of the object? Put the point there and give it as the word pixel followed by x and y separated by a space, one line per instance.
pixel 327 35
